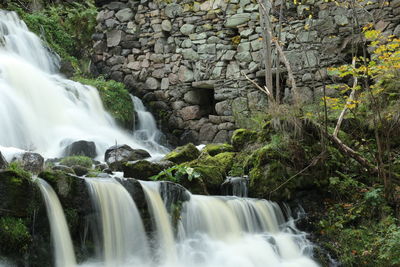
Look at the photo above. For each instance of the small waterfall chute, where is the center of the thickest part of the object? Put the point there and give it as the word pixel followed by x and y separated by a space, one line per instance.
pixel 63 248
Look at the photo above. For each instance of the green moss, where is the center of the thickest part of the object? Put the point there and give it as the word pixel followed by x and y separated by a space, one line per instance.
pixel 77 160
pixel 141 169
pixel 14 236
pixel 214 149
pixel 115 98
pixel 183 154
pixel 242 137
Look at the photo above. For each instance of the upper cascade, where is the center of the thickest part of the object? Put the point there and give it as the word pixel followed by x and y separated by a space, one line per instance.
pixel 43 112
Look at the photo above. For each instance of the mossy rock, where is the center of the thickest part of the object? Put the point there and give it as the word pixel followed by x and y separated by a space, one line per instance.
pixel 182 154
pixel 213 169
pixel 82 161
pixel 15 238
pixel 214 149
pixel 243 137
pixel 141 169
pixel 16 192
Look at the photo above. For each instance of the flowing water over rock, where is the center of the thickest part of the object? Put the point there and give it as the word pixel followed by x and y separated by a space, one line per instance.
pixel 40 110
pixel 63 249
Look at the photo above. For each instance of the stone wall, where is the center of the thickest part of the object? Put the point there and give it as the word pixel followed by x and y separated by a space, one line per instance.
pixel 186 59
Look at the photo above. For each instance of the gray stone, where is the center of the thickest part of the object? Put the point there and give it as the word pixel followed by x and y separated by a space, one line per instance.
pixel 177 105
pixel 196 97
pixel 113 38
pixel 158 73
pixel 111 23
pixel 81 148
pixel 135 65
pixel 166 25
pixel 206 49
pixel 213 40
pixel 229 54
pixel 246 33
pixel 208 132
pixel 243 47
pixel 206 84
pixel 152 83
pixel 396 31
pixel 244 57
pixel 164 83
pixel 124 15
pixel 159 46
pixel 156 27
pixel 116 6
pixel 306 77
pixel 256 45
pixel 237 19
pixel 190 54
pixel 185 74
pixel 104 15
pixel 190 113
pixel 308 36
pixel 223 108
pixel 221 137
pixel 198 36
pixel 115 60
pixel 251 8
pixel 216 73
pixel 233 70
pixel 187 29
pixel 29 161
pixel 310 59
pixel 341 20
pixel 173 10
pixel 186 43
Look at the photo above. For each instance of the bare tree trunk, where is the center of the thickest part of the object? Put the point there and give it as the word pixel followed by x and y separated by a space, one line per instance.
pixel 267 37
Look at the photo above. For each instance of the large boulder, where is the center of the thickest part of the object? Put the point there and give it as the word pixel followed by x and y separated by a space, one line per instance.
pixel 29 161
pixel 141 169
pixel 117 156
pixel 81 148
pixel 215 149
pixel 3 162
pixel 184 153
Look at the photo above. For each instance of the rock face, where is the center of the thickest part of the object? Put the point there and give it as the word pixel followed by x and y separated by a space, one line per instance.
pixel 29 161
pixel 191 57
pixel 3 162
pixel 116 156
pixel 81 148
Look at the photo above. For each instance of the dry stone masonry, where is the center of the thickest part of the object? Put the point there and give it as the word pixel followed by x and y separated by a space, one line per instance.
pixel 186 59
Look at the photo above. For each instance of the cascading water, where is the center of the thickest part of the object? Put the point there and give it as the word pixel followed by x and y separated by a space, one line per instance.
pixel 164 232
pixel 40 110
pixel 63 249
pixel 145 128
pixel 123 237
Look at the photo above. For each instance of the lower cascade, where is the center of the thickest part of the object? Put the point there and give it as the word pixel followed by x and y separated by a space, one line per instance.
pixel 210 231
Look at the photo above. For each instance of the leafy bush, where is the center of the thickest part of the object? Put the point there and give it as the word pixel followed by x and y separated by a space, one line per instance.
pixel 115 98
pixel 77 160
pixel 177 174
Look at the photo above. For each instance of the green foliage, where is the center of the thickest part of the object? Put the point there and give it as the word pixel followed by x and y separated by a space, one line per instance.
pixel 115 98
pixel 14 235
pixel 65 28
pixel 176 174
pixel 214 149
pixel 17 168
pixel 77 160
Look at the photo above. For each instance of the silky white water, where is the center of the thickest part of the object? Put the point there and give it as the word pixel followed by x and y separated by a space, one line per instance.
pixel 43 112
pixel 62 243
pixel 122 233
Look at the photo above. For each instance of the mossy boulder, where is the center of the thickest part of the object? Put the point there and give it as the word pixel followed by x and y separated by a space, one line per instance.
pixel 213 169
pixel 214 149
pixel 16 192
pixel 141 169
pixel 182 154
pixel 117 156
pixel 243 137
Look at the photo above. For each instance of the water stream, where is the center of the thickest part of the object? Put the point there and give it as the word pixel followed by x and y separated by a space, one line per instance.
pixel 62 243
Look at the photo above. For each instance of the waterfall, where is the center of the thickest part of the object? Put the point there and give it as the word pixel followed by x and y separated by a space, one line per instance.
pixel 123 237
pixel 43 112
pixel 63 249
pixel 145 128
pixel 164 232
